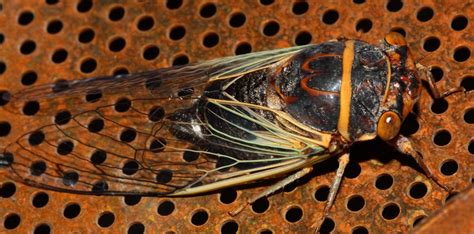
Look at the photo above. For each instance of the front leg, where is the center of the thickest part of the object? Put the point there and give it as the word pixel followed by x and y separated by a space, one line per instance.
pixel 404 145
pixel 432 83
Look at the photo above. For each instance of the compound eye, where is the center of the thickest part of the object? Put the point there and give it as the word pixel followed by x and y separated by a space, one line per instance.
pixel 396 39
pixel 389 125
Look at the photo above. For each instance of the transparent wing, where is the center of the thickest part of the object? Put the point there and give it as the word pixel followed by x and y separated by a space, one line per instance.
pixel 150 133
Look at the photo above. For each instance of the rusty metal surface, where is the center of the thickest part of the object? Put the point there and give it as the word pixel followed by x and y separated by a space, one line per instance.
pixel 453 218
pixel 383 191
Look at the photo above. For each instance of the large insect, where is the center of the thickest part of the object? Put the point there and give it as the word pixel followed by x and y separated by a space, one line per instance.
pixel 225 122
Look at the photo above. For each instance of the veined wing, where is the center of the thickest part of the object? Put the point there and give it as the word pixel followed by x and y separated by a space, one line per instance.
pixel 152 133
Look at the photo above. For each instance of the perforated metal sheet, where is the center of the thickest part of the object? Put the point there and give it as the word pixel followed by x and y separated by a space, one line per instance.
pixel 45 41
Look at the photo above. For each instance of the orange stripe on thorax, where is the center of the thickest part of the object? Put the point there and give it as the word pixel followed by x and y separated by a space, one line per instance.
pixel 346 90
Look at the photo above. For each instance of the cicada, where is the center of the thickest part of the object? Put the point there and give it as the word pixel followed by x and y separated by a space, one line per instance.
pixel 202 127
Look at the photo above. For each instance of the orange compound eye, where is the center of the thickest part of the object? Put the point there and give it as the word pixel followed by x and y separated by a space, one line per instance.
pixel 394 38
pixel 389 125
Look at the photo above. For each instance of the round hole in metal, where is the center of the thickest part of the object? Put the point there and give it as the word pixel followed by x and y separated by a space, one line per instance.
pixel 355 203
pixel 116 13
pixel 62 117
pixel 93 96
pixel 330 17
pixel 100 186
pixel 442 138
pixel 303 38
pixel 173 4
pixel 130 167
pixel 5 129
pixel 95 125
pixel 360 230
pixel 65 147
pixel 177 33
pixel 54 26
pixel 271 28
pixel 84 6
pixel 128 135
pixel 117 44
pixel 25 18
pixel 394 5
pixel 42 229
pixel 227 196
pixel 449 167
pixel 322 193
pixel 418 190
pixel 294 214
pixel 11 221
pixel 431 44
pixel 29 78
pixel 352 170
pixel 461 54
pixel 72 211
pixel 166 208
pixel 261 205
pixel 88 65
pixel 459 23
pixel 300 8
pixel 31 108
pixel 390 211
pixel 190 156
pixel 106 219
pixel 210 40
pixel 123 105
pixel 208 10
pixel 364 25
pixel 136 228
pixel 7 190
pixel 425 14
pixel 132 200
pixel 327 226
pixel 230 226
pixel 70 178
pixel 36 138
pixel 40 199
pixel 38 168
pixel 439 106
pixel 243 48
pixel 86 35
pixel 199 217
pixel 237 19
pixel 151 52
pixel 437 73
pixel 164 176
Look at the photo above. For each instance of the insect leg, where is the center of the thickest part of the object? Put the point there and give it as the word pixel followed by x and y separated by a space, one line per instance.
pixel 343 161
pixel 405 146
pixel 433 88
pixel 274 188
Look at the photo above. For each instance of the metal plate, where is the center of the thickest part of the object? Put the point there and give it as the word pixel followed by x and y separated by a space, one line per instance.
pixel 383 191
